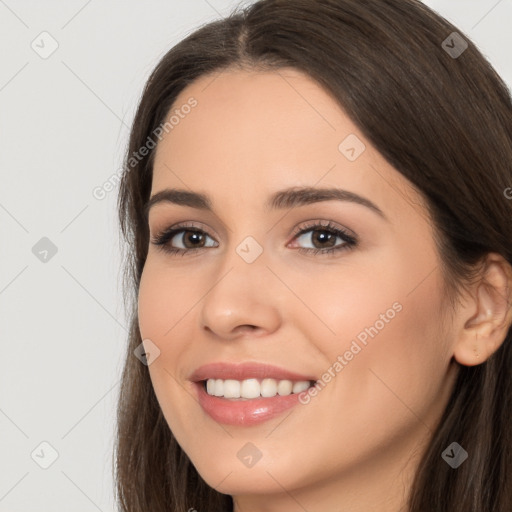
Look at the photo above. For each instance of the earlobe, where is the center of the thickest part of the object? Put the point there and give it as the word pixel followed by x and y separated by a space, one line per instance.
pixel 486 329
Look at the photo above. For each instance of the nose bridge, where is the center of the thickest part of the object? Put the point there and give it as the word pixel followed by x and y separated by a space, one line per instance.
pixel 245 242
pixel 242 267
pixel 240 294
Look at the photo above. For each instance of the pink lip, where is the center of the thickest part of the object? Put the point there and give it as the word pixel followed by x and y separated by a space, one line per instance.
pixel 242 371
pixel 244 412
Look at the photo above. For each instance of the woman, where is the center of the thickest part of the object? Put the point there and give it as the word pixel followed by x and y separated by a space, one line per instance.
pixel 317 206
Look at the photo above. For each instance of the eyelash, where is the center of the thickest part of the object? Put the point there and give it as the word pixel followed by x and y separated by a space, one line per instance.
pixel 162 239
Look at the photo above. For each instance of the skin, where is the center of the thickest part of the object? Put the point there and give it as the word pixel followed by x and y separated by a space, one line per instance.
pixel 353 447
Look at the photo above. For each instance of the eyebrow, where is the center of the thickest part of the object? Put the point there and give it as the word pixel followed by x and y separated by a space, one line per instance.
pixel 288 198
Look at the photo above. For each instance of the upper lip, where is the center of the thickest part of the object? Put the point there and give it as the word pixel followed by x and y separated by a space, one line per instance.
pixel 246 370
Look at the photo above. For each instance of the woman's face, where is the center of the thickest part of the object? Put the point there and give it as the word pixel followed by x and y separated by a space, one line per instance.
pixel 362 320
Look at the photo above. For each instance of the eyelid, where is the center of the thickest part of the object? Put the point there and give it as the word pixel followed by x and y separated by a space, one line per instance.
pixel 329 224
pixel 193 225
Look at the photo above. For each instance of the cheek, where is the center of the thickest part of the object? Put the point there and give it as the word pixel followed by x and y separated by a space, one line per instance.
pixel 164 300
pixel 385 327
pixel 166 303
pixel 391 307
pixel 160 309
pixel 151 290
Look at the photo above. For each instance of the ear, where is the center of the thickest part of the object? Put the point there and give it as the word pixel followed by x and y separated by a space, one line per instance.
pixel 487 316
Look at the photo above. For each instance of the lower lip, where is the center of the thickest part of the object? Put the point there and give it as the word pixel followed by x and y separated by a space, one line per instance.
pixel 244 412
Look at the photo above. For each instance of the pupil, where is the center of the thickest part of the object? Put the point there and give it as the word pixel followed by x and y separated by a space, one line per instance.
pixel 322 235
pixel 196 236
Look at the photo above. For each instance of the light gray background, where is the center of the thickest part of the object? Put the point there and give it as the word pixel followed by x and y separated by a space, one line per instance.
pixel 64 124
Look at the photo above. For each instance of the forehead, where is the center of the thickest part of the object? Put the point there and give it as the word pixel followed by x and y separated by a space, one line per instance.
pixel 240 112
pixel 259 131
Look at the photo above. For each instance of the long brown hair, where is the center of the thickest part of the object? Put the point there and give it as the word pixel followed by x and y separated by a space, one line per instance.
pixel 444 121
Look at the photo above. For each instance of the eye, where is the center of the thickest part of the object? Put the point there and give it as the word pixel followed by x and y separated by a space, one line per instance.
pixel 325 238
pixel 193 239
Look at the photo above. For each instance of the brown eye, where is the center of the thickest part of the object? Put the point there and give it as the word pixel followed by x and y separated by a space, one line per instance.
pixel 190 240
pixel 194 238
pixel 323 238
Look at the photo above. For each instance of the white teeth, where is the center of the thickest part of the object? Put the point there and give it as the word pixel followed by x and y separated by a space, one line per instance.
pixel 254 388
pixel 219 387
pixel 268 387
pixel 250 388
pixel 298 387
pixel 284 387
pixel 231 389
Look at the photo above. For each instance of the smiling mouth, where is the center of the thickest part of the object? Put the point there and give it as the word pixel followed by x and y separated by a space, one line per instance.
pixel 250 389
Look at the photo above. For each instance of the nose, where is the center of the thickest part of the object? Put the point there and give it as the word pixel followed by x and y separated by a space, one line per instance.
pixel 243 299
